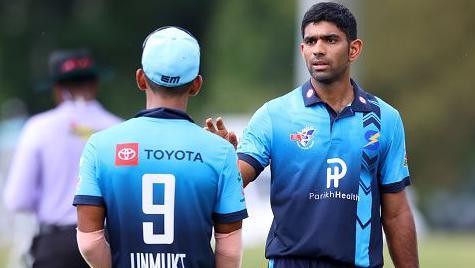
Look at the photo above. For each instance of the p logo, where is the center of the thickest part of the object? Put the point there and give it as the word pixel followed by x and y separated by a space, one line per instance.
pixel 127 154
pixel 336 170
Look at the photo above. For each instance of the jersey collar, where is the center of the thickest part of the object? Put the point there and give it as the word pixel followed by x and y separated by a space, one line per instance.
pixel 166 113
pixel 359 104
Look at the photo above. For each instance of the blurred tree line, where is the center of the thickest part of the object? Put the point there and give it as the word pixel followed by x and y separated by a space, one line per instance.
pixel 112 30
pixel 419 56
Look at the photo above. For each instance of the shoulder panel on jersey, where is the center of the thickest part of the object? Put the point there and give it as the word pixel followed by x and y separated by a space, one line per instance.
pixel 230 217
pixel 390 119
pixel 370 157
pixel 88 200
pixel 388 112
pixel 374 104
pixel 290 99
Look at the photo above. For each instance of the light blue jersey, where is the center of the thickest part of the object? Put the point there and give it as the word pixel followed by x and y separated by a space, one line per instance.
pixel 163 181
pixel 328 172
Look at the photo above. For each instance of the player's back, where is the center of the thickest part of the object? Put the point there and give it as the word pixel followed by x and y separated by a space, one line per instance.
pixel 162 180
pixel 50 146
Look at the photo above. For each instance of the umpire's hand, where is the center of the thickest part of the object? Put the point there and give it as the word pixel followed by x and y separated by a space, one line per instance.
pixel 221 130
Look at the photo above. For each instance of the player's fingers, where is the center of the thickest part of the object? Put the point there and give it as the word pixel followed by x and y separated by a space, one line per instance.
pixel 233 139
pixel 220 123
pixel 210 125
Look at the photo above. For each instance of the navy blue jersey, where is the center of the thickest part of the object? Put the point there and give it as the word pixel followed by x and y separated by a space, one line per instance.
pixel 328 172
pixel 163 181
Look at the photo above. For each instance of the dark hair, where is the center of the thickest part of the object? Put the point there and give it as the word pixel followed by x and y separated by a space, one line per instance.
pixel 334 13
pixel 168 91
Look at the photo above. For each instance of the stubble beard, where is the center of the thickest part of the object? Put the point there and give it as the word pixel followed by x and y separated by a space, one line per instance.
pixel 328 77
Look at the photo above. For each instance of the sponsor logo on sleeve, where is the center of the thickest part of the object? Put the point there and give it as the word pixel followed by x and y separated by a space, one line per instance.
pixel 127 154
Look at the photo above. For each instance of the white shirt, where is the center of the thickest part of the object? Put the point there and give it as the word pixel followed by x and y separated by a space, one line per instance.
pixel 43 175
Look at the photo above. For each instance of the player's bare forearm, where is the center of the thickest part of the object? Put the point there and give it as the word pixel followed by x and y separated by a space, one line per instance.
pixel 400 230
pixel 228 250
pixel 248 173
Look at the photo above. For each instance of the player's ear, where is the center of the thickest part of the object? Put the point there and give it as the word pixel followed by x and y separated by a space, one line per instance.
pixel 195 86
pixel 140 78
pixel 301 49
pixel 355 49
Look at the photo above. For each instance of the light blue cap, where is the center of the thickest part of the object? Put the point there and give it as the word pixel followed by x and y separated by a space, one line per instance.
pixel 171 57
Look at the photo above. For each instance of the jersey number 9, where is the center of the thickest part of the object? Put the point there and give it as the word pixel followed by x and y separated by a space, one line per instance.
pixel 167 209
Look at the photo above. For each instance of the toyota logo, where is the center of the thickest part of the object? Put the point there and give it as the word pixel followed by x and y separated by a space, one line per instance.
pixel 126 154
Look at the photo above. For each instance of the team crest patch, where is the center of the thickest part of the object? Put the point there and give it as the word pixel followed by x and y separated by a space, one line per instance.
pixel 127 154
pixel 373 140
pixel 304 138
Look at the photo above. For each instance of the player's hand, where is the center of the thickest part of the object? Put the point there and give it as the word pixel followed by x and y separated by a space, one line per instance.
pixel 221 130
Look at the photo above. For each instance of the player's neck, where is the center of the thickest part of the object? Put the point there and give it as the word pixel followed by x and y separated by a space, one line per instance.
pixel 178 103
pixel 337 94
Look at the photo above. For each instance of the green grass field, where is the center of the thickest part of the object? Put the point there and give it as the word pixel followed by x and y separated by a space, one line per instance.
pixel 3 257
pixel 435 251
pixel 441 250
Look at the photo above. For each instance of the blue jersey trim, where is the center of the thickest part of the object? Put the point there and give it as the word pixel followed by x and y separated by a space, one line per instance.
pixel 271 263
pixel 230 217
pixel 396 187
pixel 251 161
pixel 88 200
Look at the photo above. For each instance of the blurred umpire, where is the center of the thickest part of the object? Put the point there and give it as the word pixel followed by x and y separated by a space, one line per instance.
pixel 43 174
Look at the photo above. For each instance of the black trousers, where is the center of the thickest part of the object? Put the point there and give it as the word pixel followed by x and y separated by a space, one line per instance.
pixel 57 248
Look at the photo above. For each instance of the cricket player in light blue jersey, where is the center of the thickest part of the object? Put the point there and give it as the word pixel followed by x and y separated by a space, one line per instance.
pixel 337 157
pixel 159 181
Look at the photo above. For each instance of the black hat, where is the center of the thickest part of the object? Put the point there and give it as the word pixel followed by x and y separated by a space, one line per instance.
pixel 72 65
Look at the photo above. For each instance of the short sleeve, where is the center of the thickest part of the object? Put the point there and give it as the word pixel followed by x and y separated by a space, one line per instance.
pixel 231 204
pixel 88 191
pixel 394 175
pixel 254 147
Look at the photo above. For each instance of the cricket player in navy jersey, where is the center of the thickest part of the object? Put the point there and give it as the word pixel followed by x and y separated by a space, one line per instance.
pixel 337 157
pixel 160 181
